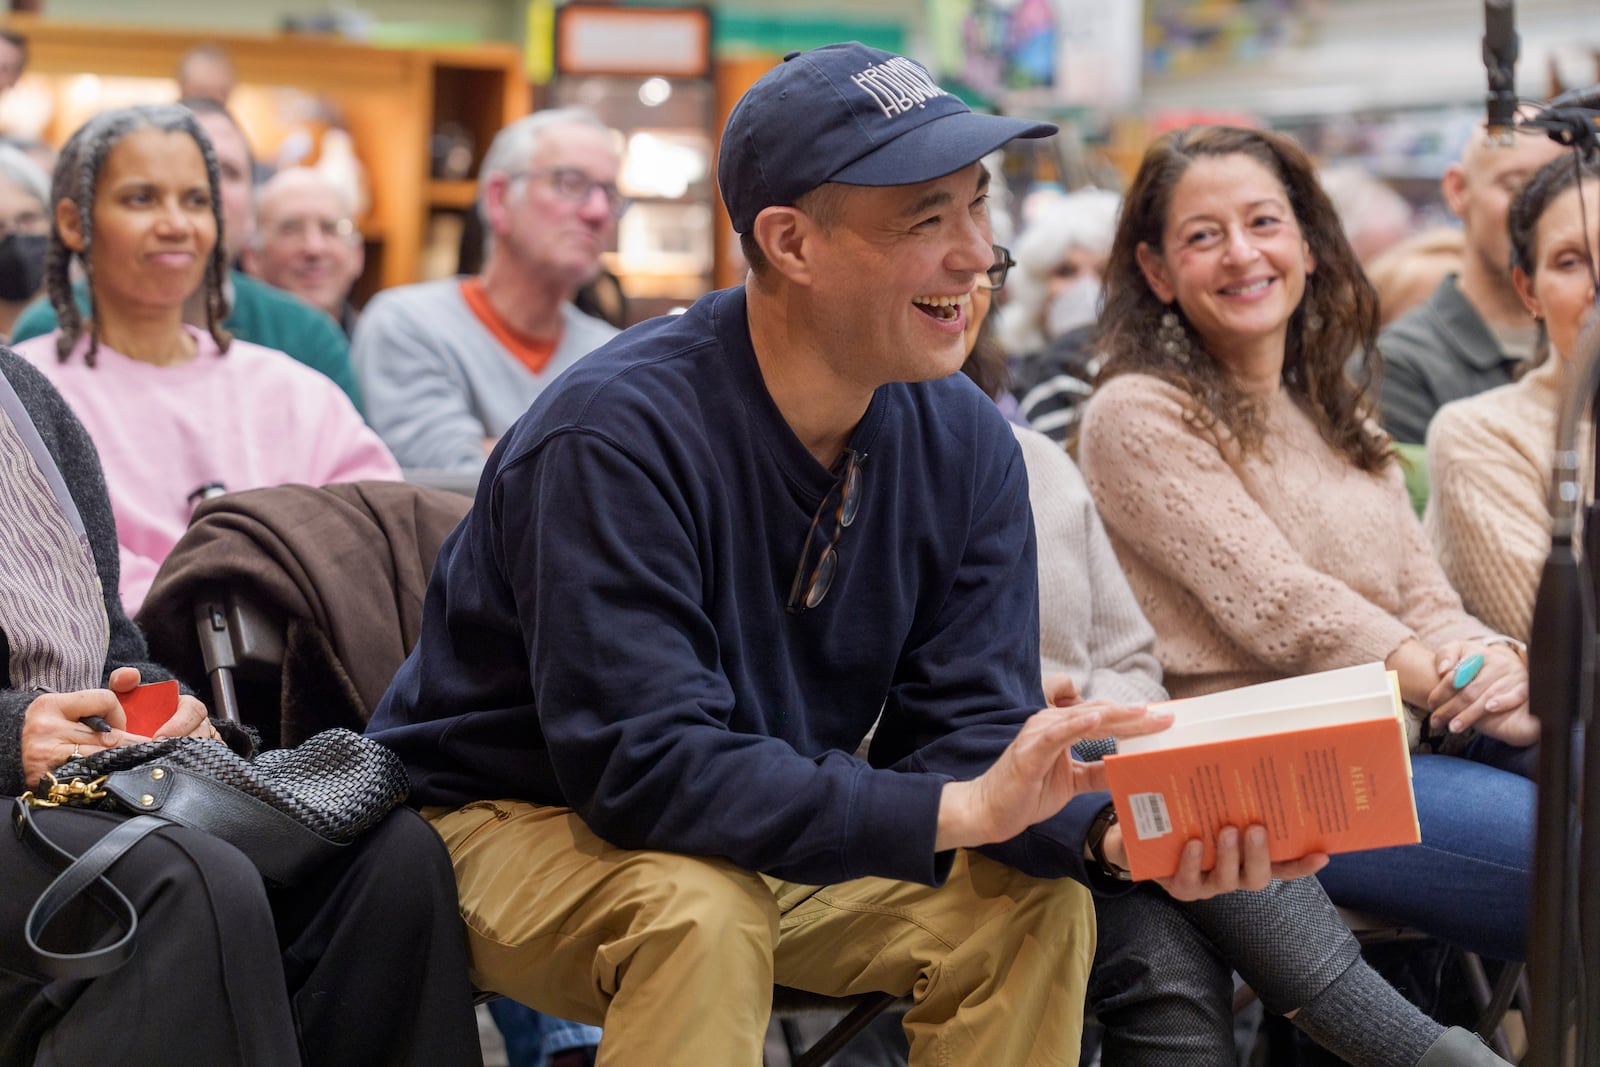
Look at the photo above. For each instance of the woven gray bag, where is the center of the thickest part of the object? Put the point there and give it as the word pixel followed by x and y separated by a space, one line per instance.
pixel 290 810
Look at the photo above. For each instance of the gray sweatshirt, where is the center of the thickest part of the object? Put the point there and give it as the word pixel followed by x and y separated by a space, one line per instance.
pixel 437 382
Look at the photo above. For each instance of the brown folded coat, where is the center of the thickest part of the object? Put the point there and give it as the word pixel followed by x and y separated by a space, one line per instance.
pixel 343 569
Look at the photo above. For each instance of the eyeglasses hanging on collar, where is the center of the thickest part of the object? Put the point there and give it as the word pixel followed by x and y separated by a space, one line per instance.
pixel 812 583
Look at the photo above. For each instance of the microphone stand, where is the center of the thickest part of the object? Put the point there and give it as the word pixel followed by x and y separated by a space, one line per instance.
pixel 1565 898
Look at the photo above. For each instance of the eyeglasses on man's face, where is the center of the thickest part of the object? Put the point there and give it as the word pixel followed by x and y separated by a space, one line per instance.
pixel 298 228
pixel 995 276
pixel 575 186
pixel 811 584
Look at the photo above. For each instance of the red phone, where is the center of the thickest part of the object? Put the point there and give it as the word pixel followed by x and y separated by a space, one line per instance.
pixel 149 706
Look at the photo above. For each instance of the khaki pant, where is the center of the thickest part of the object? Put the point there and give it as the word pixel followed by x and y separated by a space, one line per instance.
pixel 676 955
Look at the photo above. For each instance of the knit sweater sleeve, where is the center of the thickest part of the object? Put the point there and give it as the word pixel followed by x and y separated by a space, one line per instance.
pixel 1172 502
pixel 74 453
pixel 1487 516
pixel 1105 643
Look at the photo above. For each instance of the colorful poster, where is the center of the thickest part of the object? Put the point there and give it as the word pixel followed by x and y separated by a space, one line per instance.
pixel 1040 53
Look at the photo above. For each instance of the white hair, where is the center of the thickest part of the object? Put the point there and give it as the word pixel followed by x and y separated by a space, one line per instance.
pixel 1086 219
pixel 290 177
pixel 515 144
pixel 24 173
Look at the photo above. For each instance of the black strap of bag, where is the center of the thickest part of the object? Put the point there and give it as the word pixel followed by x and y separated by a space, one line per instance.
pixel 290 811
pixel 81 875
pixel 283 849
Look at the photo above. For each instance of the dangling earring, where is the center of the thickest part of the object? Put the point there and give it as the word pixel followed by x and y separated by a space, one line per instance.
pixel 1311 321
pixel 1172 337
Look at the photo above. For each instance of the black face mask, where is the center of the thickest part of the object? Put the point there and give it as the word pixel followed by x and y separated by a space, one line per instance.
pixel 21 264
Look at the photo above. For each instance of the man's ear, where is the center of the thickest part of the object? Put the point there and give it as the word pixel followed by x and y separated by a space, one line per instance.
pixel 495 211
pixel 785 236
pixel 1155 272
pixel 69 224
pixel 1454 187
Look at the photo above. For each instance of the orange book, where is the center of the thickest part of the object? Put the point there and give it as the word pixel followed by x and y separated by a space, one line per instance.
pixel 1319 760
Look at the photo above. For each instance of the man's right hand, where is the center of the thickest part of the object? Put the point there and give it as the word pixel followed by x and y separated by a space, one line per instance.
pixel 1037 774
pixel 1242 862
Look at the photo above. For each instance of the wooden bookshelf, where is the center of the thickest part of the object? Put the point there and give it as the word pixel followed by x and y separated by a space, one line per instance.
pixel 391 100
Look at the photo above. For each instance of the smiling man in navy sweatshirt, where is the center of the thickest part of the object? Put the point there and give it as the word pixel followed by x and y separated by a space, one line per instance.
pixel 701 567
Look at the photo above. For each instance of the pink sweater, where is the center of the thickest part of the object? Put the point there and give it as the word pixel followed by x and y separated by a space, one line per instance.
pixel 250 418
pixel 1286 562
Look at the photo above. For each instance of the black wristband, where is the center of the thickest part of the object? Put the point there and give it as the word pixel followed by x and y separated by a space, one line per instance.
pixel 1096 841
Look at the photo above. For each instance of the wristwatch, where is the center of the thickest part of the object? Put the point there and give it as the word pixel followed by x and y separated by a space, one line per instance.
pixel 1095 840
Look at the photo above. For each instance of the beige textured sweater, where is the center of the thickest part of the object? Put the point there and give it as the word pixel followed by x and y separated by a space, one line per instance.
pixel 1287 561
pixel 1489 462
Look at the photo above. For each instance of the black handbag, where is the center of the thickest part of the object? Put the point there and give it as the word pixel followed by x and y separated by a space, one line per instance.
pixel 289 810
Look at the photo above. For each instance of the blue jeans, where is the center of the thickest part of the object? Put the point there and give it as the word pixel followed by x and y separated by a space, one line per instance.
pixel 1468 882
pixel 532 1037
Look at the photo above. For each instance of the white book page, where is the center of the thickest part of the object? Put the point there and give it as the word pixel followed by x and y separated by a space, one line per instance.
pixel 1350 694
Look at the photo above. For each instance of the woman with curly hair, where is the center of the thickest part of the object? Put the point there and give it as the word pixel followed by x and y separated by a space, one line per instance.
pixel 1264 525
pixel 174 410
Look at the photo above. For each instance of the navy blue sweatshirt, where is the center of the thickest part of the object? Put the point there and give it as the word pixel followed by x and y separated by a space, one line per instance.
pixel 607 628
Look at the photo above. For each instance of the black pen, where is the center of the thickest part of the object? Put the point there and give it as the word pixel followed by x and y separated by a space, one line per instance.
pixel 99 725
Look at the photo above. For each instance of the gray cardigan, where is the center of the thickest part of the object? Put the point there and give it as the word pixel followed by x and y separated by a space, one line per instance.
pixel 69 445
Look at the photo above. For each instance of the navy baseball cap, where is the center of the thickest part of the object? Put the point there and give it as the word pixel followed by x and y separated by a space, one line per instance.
pixel 849 113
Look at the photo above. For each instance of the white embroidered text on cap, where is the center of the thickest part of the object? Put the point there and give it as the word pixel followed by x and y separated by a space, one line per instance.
pixel 897 85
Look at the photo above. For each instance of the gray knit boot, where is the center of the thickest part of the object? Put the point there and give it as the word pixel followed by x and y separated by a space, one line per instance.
pixel 1460 1048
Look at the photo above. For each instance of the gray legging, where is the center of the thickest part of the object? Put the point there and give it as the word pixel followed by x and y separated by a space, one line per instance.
pixel 1162 973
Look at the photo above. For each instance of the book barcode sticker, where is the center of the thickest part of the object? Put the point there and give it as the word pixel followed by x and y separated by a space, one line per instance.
pixel 1150 815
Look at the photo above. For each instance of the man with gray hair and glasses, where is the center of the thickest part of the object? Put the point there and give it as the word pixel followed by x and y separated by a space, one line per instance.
pixel 306 241
pixel 447 366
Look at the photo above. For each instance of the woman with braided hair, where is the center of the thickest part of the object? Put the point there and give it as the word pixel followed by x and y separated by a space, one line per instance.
pixel 174 410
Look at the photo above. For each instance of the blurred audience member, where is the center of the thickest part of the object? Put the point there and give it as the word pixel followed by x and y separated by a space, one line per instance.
pixel 1406 274
pixel 176 411
pixel 1048 324
pixel 42 155
pixel 1375 217
pixel 206 73
pixel 1473 333
pixel 258 313
pixel 1490 455
pixel 24 233
pixel 447 366
pixel 13 58
pixel 306 242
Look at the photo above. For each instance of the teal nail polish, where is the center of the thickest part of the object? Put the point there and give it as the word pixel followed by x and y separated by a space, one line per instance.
pixel 1467 670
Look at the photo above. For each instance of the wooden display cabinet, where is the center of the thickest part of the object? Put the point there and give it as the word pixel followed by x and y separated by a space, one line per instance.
pixel 391 100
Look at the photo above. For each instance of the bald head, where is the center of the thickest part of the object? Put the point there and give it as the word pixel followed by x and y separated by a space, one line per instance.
pixel 1480 187
pixel 205 72
pixel 306 240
